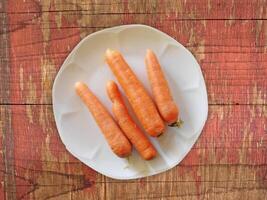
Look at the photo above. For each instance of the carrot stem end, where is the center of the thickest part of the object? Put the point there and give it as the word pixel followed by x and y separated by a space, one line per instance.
pixel 177 124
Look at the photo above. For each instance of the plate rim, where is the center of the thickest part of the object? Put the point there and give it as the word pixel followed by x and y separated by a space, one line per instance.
pixel 120 28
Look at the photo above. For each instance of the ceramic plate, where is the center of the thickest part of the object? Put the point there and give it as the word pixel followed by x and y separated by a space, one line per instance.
pixel 76 126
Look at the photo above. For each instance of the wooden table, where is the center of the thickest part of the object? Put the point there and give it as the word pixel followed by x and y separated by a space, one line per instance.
pixel 229 40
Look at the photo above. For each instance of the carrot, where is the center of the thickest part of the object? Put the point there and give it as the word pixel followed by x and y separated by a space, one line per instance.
pixel 160 90
pixel 131 130
pixel 117 141
pixel 139 99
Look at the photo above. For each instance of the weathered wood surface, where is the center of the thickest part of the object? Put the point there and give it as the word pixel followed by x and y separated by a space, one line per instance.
pixel 229 160
pixel 229 40
pixel 231 51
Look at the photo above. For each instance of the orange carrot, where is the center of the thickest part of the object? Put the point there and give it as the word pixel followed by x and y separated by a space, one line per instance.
pixel 139 99
pixel 117 141
pixel 131 130
pixel 160 89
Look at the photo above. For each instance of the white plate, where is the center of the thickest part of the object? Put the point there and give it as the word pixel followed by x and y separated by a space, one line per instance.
pixel 77 128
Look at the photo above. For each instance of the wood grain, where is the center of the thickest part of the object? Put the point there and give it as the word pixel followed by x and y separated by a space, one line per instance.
pixel 228 160
pixel 228 39
pixel 232 53
pixel 8 189
pixel 186 10
pixel 42 167
pixel 4 58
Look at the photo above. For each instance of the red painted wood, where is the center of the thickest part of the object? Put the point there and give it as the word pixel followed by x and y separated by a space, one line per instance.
pixel 232 56
pixel 228 38
pixel 229 155
pixel 43 166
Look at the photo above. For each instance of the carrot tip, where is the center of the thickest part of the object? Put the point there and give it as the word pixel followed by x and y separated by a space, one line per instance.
pixel 148 50
pixel 109 51
pixel 112 90
pixel 110 82
pixel 177 124
pixel 78 84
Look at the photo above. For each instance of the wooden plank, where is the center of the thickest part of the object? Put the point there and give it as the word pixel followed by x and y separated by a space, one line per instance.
pixel 233 57
pixel 7 178
pixel 43 168
pixel 4 62
pixel 189 9
pixel 228 160
pixel 37 73
pixel 8 189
